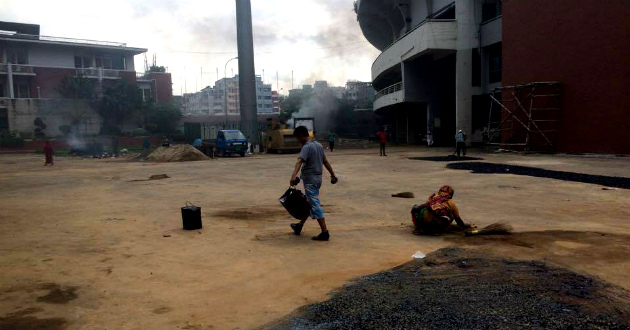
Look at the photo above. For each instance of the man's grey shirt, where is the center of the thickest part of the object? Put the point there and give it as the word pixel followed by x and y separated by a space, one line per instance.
pixel 312 154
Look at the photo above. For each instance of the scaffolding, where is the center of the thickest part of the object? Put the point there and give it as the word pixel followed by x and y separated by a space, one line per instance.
pixel 524 117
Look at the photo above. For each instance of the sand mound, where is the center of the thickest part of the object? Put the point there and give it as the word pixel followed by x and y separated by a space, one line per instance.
pixel 176 153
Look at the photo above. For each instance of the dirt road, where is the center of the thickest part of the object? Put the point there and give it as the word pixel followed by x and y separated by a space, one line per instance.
pixel 84 246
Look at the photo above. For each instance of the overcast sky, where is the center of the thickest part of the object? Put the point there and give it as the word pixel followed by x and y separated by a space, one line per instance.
pixel 317 39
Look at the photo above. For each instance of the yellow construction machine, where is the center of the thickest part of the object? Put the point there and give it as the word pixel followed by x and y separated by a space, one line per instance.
pixel 279 139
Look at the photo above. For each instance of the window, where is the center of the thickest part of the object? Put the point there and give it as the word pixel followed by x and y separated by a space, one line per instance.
pixel 18 56
pixel 494 63
pixel 476 67
pixel 490 10
pixel 146 94
pixel 104 62
pixel 447 12
pixel 83 62
pixel 21 90
pixel 1 90
pixel 4 119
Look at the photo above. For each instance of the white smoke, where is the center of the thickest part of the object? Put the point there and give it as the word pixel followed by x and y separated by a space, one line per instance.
pixel 75 142
pixel 323 107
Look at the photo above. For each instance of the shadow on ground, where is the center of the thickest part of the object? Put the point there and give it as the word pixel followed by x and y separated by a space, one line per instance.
pixel 449 158
pixel 466 289
pixel 23 319
pixel 491 168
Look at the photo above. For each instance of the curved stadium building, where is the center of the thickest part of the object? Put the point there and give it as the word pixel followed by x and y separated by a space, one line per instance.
pixel 442 59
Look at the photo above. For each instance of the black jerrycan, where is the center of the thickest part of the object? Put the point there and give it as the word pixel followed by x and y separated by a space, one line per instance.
pixel 191 217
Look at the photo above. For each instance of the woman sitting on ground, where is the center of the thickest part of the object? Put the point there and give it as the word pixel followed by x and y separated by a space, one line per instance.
pixel 437 214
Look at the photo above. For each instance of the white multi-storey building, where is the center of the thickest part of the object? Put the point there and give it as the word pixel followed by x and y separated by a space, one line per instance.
pixel 439 58
pixel 223 99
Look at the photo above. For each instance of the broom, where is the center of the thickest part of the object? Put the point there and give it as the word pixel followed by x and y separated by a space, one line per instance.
pixel 499 228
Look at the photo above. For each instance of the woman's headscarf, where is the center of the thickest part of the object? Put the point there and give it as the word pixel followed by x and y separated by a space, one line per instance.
pixel 445 193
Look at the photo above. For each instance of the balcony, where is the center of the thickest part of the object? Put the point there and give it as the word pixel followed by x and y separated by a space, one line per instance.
pixel 98 73
pixel 390 95
pixel 17 69
pixel 431 35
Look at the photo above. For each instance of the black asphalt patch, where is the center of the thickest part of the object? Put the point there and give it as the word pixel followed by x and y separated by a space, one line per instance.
pixel 463 289
pixel 491 168
pixel 449 158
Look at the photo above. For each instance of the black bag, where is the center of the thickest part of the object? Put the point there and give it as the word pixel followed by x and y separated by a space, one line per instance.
pixel 295 202
pixel 191 217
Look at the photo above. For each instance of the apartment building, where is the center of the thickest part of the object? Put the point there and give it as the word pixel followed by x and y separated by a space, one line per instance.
pixel 360 93
pixel 223 99
pixel 32 66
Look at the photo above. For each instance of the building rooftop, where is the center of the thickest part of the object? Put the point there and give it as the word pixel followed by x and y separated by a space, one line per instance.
pixel 29 33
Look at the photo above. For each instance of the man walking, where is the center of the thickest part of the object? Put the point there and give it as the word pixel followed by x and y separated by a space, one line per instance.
pixel 460 140
pixel 382 135
pixel 311 160
pixel 331 141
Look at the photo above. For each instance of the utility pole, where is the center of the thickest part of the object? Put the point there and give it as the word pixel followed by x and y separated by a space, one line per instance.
pixel 291 79
pixel 277 83
pixel 246 70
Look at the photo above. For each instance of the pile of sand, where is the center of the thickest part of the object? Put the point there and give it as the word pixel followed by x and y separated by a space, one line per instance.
pixel 176 153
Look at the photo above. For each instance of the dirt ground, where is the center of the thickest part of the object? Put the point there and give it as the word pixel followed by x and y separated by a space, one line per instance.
pixel 94 244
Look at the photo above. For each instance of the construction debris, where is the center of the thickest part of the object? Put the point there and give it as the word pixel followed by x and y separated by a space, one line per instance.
pixel 177 153
pixel 466 289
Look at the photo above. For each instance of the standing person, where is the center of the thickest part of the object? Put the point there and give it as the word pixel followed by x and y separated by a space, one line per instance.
pixel 147 144
pixel 311 160
pixel 331 140
pixel 48 152
pixel 460 139
pixel 382 134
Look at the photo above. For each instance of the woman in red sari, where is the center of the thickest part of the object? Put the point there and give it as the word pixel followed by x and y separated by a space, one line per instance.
pixel 437 214
pixel 48 152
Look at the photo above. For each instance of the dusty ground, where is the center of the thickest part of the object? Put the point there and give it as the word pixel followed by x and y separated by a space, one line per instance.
pixel 83 246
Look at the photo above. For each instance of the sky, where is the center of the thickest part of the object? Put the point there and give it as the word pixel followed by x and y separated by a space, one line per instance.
pixel 316 39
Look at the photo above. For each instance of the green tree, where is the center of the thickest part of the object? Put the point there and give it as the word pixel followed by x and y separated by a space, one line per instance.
pixel 117 104
pixel 165 116
pixel 155 68
pixel 78 87
pixel 290 105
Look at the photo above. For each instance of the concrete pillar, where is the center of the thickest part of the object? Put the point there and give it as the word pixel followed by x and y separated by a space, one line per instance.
pixel 246 71
pixel 466 41
pixel 10 80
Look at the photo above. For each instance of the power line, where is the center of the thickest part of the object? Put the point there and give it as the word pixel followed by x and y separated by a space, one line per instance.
pixel 258 52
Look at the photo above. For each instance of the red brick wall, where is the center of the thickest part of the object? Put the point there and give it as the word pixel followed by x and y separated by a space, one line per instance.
pixel 48 80
pixel 130 76
pixel 584 44
pixel 162 86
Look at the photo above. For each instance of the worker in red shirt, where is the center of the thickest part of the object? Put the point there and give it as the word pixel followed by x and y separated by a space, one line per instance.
pixel 382 134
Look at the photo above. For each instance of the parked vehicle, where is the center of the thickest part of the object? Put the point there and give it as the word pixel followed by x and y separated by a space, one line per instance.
pixel 231 141
pixel 279 139
pixel 225 142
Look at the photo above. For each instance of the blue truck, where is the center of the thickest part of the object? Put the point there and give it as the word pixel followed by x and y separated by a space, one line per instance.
pixel 230 142
pixel 215 140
